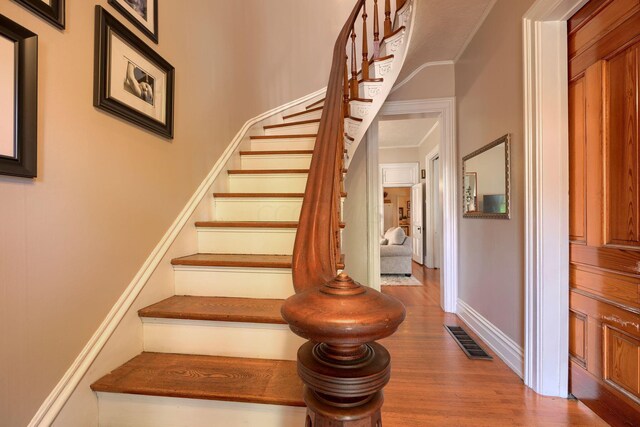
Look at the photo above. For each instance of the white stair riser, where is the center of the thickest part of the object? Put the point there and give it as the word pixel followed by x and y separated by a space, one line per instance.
pixel 234 282
pixel 283 144
pixel 392 45
pixel 267 209
pixel 302 129
pixel 122 410
pixel 359 109
pixel 272 161
pixel 265 183
pixel 351 126
pixel 228 339
pixel 267 241
pixel 379 70
pixel 310 115
pixel 370 90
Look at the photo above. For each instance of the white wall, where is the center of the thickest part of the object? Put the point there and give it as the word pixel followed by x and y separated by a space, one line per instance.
pixel 489 91
pixel 431 82
pixel 74 238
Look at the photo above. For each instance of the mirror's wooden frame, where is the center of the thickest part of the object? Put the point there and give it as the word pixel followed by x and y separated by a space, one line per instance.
pixel 506 139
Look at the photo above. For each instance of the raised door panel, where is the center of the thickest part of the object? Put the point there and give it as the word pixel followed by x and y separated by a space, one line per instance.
pixel 622 362
pixel 399 175
pixel 578 337
pixel 622 153
pixel 577 159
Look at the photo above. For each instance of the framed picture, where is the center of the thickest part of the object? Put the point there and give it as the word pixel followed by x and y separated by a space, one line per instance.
pixel 408 208
pixel 50 10
pixel 401 212
pixel 142 13
pixel 18 100
pixel 131 80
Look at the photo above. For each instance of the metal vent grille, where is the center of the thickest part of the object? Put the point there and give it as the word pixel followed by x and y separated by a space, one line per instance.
pixel 467 344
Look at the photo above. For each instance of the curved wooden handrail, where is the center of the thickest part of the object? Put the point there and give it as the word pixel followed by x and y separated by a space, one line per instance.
pixel 314 254
pixel 342 367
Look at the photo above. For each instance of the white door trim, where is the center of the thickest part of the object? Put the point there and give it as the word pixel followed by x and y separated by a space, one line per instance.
pixel 547 195
pixel 429 260
pixel 445 108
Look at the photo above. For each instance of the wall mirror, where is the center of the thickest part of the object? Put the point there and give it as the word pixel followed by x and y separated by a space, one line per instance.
pixel 486 181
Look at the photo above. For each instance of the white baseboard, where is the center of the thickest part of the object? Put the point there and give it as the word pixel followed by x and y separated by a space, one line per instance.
pixel 508 350
pixel 52 406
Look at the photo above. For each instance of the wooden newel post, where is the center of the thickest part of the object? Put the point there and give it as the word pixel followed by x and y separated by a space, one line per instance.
pixel 343 369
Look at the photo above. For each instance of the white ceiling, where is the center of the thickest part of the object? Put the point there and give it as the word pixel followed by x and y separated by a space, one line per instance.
pixel 405 133
pixel 442 30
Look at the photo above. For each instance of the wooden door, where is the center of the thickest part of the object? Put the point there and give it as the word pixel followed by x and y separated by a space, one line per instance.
pixel 604 315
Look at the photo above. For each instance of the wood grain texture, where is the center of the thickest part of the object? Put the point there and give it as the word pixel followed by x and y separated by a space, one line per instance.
pixel 309 110
pixel 264 195
pixel 577 161
pixel 622 152
pixel 250 224
pixel 266 171
pixel 222 260
pixel 284 125
pixel 434 384
pixel 206 377
pixel 276 153
pixel 246 310
pixel 267 137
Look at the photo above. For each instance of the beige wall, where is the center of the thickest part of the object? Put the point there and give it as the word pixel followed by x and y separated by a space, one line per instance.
pixel 73 239
pixel 489 93
pixel 398 155
pixel 436 81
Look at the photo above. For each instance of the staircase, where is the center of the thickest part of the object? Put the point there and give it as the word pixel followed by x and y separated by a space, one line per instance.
pixel 219 352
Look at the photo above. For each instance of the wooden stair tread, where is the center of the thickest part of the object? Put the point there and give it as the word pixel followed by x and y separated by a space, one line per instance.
pixel 273 382
pixel 245 310
pixel 235 260
pixel 302 122
pixel 276 152
pixel 262 195
pixel 301 113
pixel 266 171
pixel 267 137
pixel 315 103
pixel 249 224
pixel 362 99
pixel 238 260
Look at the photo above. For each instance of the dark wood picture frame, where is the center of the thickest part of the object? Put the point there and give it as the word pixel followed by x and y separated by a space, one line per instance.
pixel 153 35
pixel 54 14
pixel 106 24
pixel 25 161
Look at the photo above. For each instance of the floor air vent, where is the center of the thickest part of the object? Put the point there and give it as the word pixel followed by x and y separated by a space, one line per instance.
pixel 467 344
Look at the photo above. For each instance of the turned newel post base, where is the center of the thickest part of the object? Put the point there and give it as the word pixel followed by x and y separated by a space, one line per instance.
pixel 344 393
pixel 344 370
pixel 319 414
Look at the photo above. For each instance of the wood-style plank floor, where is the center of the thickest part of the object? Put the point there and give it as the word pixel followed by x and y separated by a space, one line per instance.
pixel 434 384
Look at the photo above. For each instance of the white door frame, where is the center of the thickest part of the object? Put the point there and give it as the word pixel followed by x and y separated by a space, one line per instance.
pixel 547 195
pixel 445 108
pixel 430 228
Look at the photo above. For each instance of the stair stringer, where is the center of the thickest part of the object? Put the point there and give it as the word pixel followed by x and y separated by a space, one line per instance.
pixel 398 47
pixel 120 336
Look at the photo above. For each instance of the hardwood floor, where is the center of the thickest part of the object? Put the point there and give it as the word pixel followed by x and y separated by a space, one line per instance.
pixel 434 384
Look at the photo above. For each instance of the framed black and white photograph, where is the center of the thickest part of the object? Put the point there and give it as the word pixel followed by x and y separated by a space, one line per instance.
pixel 131 80
pixel 50 10
pixel 18 100
pixel 142 13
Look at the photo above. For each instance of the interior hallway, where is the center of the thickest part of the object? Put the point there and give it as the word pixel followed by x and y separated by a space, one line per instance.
pixel 433 383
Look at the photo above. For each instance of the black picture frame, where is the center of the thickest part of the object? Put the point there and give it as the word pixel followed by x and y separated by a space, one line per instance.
pixel 24 163
pixel 54 13
pixel 107 24
pixel 153 35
